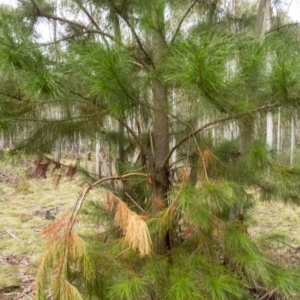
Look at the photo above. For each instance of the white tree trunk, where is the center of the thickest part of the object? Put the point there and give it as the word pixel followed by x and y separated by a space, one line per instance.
pixel 79 144
pixel 10 141
pixel 213 135
pixel 292 140
pixel 174 155
pixel 263 18
pixel 278 131
pixel 58 140
pixel 97 154
pixel 58 150
pixel 269 136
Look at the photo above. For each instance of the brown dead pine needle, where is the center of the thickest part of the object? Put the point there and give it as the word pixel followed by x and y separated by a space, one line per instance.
pixel 134 227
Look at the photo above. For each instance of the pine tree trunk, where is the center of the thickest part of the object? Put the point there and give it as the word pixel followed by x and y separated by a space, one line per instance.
pixel 246 128
pixel 161 127
pixel 161 139
pixel 120 145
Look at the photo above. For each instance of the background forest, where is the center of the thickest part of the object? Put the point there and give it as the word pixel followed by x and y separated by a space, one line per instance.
pixel 190 110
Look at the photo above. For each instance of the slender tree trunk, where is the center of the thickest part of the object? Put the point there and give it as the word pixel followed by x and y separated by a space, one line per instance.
pixel 2 141
pixel 213 135
pixel 58 140
pixel 278 131
pixel 174 107
pixel 262 18
pixel 292 140
pixel 269 135
pixel 58 150
pixel 212 10
pixel 246 128
pixel 10 141
pixel 161 141
pixel 97 154
pixel 120 145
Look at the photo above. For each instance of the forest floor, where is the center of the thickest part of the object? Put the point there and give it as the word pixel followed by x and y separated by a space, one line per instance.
pixel 29 205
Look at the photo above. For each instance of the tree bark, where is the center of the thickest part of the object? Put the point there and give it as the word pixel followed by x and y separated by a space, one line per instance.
pixel 262 18
pixel 120 145
pixel 246 128
pixel 161 139
pixel 160 128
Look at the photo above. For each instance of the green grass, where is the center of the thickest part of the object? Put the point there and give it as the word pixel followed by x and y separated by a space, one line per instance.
pixel 23 206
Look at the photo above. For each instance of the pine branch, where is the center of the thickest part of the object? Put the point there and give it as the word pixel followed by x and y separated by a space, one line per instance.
pixel 56 121
pixel 89 16
pixel 123 88
pixel 134 202
pixel 138 140
pixel 11 96
pixel 66 38
pixel 78 205
pixel 62 229
pixel 41 13
pixel 92 20
pixel 114 258
pixel 138 40
pixel 72 218
pixel 282 26
pixel 182 20
pixel 221 120
pixel 135 230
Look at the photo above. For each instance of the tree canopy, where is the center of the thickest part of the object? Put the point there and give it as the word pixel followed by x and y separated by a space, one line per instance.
pixel 186 86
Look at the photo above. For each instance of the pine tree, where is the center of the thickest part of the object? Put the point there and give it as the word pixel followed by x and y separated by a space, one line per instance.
pixel 171 231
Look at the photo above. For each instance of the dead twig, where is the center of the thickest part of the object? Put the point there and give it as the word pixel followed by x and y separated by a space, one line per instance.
pixel 268 295
pixel 114 258
pixel 26 290
pixel 13 235
pixel 134 202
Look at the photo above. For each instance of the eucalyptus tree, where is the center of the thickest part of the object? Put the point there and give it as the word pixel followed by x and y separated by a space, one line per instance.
pixel 122 61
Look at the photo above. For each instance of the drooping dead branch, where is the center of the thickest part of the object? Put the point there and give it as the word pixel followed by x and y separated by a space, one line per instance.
pixel 125 218
pixel 133 226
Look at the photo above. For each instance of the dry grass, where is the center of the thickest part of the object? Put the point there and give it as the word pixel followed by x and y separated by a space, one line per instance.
pixel 277 226
pixel 26 207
